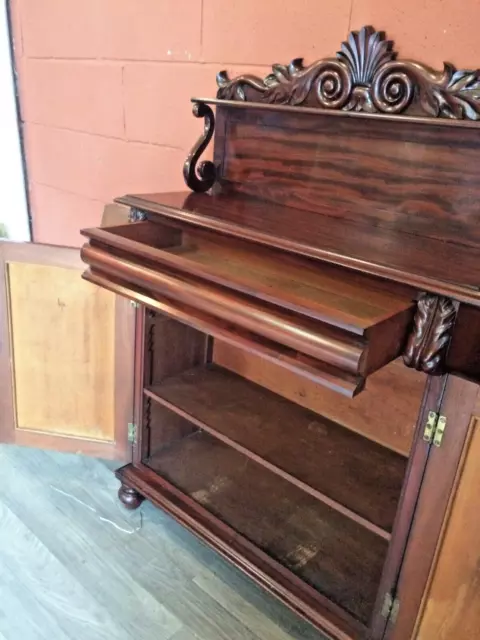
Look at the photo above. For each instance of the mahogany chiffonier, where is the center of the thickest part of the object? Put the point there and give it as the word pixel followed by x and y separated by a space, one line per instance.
pixel 299 363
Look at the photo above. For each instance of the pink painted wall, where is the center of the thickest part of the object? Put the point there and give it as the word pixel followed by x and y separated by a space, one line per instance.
pixel 105 84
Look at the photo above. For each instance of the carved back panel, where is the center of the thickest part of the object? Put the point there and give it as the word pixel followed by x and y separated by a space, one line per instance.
pixel 365 75
pixel 362 136
pixel 418 178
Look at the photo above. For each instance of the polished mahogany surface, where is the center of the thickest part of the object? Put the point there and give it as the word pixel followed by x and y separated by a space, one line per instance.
pixel 399 177
pixel 333 229
pixel 448 268
pixel 329 294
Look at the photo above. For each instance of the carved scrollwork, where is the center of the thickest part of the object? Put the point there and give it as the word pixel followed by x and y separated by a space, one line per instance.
pixel 364 76
pixel 201 178
pixel 428 342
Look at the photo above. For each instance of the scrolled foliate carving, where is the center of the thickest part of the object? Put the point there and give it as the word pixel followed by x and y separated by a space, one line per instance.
pixel 427 344
pixel 364 76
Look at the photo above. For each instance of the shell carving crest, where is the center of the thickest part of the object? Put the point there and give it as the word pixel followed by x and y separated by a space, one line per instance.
pixel 364 76
pixel 364 52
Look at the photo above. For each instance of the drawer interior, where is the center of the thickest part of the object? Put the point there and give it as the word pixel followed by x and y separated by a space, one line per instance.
pixel 329 293
pixel 335 326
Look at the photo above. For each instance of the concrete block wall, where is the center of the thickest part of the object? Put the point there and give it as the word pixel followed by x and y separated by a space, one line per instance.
pixel 105 84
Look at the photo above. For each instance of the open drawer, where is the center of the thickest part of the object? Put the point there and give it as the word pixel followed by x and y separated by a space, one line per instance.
pixel 323 321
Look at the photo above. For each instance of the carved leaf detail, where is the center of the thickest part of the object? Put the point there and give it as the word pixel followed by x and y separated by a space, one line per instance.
pixel 364 76
pixel 427 344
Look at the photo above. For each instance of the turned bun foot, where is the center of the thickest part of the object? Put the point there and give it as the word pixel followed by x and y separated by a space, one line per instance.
pixel 130 498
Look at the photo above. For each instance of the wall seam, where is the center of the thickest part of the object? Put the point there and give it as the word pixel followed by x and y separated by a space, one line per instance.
pixel 150 61
pixel 104 136
pixel 201 31
pixel 349 28
pixel 124 110
pixel 68 192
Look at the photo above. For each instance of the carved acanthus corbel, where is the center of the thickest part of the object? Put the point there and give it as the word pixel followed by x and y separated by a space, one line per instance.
pixel 427 345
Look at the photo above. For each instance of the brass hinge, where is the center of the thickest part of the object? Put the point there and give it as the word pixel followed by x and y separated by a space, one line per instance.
pixel 435 428
pixel 439 431
pixel 132 432
pixel 391 607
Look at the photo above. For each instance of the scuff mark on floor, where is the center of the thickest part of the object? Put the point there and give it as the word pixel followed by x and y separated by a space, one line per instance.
pixel 130 531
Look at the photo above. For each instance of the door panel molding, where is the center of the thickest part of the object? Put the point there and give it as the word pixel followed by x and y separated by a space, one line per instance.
pixel 109 440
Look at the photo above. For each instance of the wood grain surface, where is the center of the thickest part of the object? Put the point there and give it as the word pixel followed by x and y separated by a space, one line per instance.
pixel 66 357
pixel 330 294
pixel 75 564
pixel 399 176
pixel 334 554
pixel 63 336
pixel 337 348
pixel 330 462
pixel 386 411
pixel 439 484
pixel 452 609
pixel 323 374
pixel 395 254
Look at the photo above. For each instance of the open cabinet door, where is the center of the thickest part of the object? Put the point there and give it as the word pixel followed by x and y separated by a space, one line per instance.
pixel 66 355
pixel 436 596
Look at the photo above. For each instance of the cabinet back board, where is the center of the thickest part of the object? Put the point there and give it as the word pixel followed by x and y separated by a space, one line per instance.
pixel 386 411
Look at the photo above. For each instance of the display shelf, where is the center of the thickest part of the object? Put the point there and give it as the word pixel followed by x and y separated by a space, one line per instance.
pixel 350 473
pixel 327 550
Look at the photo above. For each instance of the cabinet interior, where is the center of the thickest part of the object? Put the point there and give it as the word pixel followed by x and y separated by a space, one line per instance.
pixel 312 479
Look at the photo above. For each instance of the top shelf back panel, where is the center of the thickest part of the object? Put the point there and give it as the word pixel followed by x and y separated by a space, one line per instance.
pixel 362 135
pixel 402 176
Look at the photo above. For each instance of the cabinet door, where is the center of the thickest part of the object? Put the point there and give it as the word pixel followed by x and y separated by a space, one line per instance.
pixel 438 587
pixel 452 602
pixel 66 355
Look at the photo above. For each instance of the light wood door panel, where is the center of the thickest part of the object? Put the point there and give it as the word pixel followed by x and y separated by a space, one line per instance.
pixel 453 603
pixel 66 355
pixel 442 479
pixel 77 353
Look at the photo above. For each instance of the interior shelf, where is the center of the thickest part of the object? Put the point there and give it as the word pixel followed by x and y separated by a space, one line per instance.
pixel 351 474
pixel 341 559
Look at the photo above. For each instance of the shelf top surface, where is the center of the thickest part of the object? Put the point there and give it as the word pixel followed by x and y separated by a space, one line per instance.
pixel 352 468
pixel 430 264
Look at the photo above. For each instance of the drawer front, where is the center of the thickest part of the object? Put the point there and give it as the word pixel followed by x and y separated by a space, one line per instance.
pixel 325 322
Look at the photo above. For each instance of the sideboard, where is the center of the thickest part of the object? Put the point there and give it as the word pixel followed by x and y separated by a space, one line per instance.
pixel 304 357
